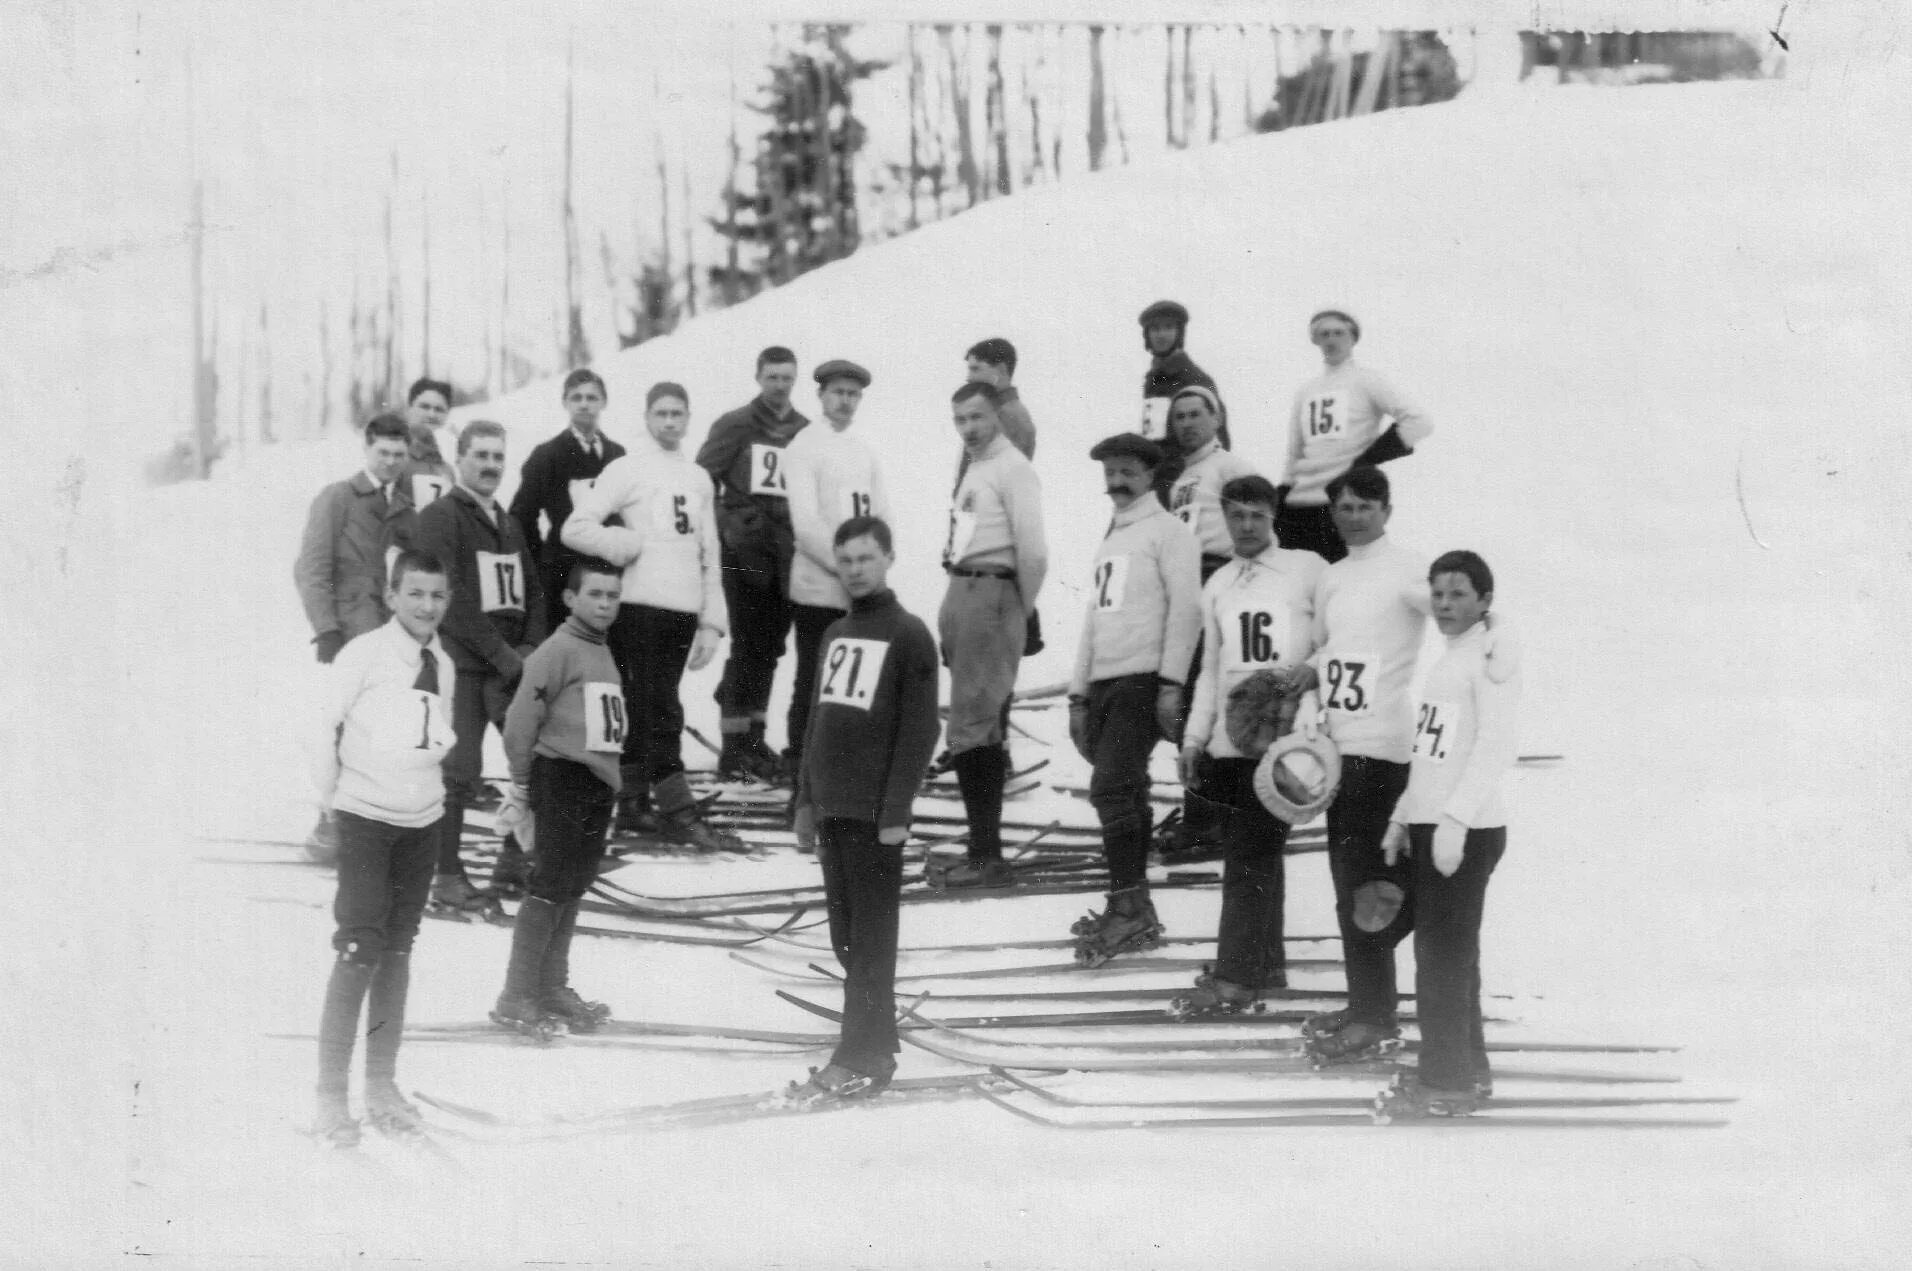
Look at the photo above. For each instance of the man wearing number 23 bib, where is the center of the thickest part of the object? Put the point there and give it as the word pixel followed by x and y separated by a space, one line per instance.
pixel 496 618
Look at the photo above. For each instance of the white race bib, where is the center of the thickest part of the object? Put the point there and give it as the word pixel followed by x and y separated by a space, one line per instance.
pixel 578 488
pixel 766 470
pixel 1155 417
pixel 1251 636
pixel 500 582
pixel 1181 501
pixel 855 503
pixel 427 487
pixel 961 531
pixel 850 670
pixel 1431 739
pixel 1324 417
pixel 674 515
pixel 604 724
pixel 1348 683
pixel 1111 583
pixel 396 719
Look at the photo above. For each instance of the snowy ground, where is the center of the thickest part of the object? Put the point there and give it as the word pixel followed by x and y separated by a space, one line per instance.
pixel 1662 334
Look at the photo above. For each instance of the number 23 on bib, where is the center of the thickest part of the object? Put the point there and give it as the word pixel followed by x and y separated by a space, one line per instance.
pixel 851 669
pixel 1347 683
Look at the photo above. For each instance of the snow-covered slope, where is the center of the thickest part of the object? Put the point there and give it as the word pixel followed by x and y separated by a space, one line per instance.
pixel 1661 332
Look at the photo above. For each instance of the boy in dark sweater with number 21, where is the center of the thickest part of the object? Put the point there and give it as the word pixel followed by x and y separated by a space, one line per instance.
pixel 872 732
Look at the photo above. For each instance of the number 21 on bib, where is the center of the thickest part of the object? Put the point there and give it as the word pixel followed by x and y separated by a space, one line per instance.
pixel 500 581
pixel 766 470
pixel 850 671
pixel 1431 731
pixel 605 726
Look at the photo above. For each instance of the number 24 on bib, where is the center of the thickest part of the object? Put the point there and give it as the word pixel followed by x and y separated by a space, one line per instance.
pixel 851 669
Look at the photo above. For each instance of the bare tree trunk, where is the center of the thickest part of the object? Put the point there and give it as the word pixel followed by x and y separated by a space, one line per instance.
pixel 1032 93
pixel 690 258
pixel 205 436
pixel 730 200
pixel 576 353
pixel 916 105
pixel 504 306
pixel 265 376
pixel 1168 86
pixel 959 94
pixel 663 193
pixel 1188 84
pixel 325 366
pixel 1115 114
pixel 425 295
pixel 998 117
pixel 393 369
pixel 1098 134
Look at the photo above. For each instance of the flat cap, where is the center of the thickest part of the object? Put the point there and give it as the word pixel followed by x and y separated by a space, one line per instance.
pixel 1166 310
pixel 1128 445
pixel 840 369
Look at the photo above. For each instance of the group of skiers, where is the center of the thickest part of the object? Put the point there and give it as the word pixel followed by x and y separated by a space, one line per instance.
pixel 1271 631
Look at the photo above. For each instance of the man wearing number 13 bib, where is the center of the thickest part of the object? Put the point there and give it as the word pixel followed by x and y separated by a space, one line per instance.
pixel 673 613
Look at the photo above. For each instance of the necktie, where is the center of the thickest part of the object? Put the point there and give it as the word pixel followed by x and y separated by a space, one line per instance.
pixel 427 672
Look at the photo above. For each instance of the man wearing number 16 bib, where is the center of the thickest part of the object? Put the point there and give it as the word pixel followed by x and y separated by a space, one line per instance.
pixel 495 619
pixel 673 613
pixel 1336 425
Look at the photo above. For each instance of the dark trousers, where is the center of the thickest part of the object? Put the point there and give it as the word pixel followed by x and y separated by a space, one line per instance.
pixel 759 624
pixel 1251 942
pixel 1122 735
pixel 861 881
pixel 1201 816
pixel 385 873
pixel 1447 918
pixel 810 621
pixel 1357 819
pixel 573 807
pixel 1309 529
pixel 478 700
pixel 651 647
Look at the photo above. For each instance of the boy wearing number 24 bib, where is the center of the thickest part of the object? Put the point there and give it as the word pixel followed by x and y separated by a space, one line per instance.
pixel 564 737
pixel 873 729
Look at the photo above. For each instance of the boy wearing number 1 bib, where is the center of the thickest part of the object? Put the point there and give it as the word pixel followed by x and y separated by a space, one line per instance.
pixel 564 739
pixel 380 738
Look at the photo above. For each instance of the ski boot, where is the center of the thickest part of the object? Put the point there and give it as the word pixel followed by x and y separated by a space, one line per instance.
pixel 766 765
pixel 1354 1042
pixel 993 872
pixel 577 1015
pixel 455 897
pixel 1128 925
pixel 635 814
pixel 1326 1024
pixel 689 829
pixel 1213 998
pixel 1408 1100
pixel 334 1126
pixel 834 1083
pixel 391 1113
pixel 526 1017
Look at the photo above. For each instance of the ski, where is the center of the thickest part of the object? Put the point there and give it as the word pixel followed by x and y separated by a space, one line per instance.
pixel 1011 790
pixel 993 946
pixel 1488 1118
pixel 695 1113
pixel 944 780
pixel 644 1028
pixel 1350 1102
pixel 811 971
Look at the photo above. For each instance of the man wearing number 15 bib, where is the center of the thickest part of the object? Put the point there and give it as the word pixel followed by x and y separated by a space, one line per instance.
pixel 673 613
pixel 1336 425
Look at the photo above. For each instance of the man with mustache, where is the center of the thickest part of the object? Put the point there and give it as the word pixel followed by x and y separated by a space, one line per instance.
pixel 494 621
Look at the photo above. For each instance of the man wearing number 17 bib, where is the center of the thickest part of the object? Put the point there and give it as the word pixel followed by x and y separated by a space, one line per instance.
pixel 1336 425
pixel 495 619
pixel 673 613
pixel 1452 822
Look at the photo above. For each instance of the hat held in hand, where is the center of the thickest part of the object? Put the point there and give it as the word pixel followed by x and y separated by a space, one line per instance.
pixel 1259 710
pixel 1297 777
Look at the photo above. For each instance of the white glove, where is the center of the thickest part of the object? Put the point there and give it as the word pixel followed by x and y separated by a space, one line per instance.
pixel 805 825
pixel 704 647
pixel 893 835
pixel 1394 844
pixel 514 816
pixel 1450 842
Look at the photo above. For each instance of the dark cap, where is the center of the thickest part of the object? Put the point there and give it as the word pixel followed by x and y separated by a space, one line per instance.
pixel 664 388
pixel 1128 445
pixel 840 369
pixel 1164 309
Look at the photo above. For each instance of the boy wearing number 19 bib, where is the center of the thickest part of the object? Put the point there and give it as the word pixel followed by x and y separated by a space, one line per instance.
pixel 564 738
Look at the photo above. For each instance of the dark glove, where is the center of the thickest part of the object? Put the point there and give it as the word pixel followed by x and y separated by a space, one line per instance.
pixel 1032 635
pixel 327 645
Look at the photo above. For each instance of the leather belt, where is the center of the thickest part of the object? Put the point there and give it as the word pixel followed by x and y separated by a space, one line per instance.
pixel 961 571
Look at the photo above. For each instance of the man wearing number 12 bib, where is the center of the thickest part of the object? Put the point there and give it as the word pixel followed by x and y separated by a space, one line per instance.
pixel 673 613
pixel 1336 425
pixel 496 617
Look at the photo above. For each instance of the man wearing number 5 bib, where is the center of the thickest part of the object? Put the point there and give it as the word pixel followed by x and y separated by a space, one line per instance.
pixel 1336 426
pixel 495 619
pixel 383 731
pixel 673 613
pixel 1452 822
